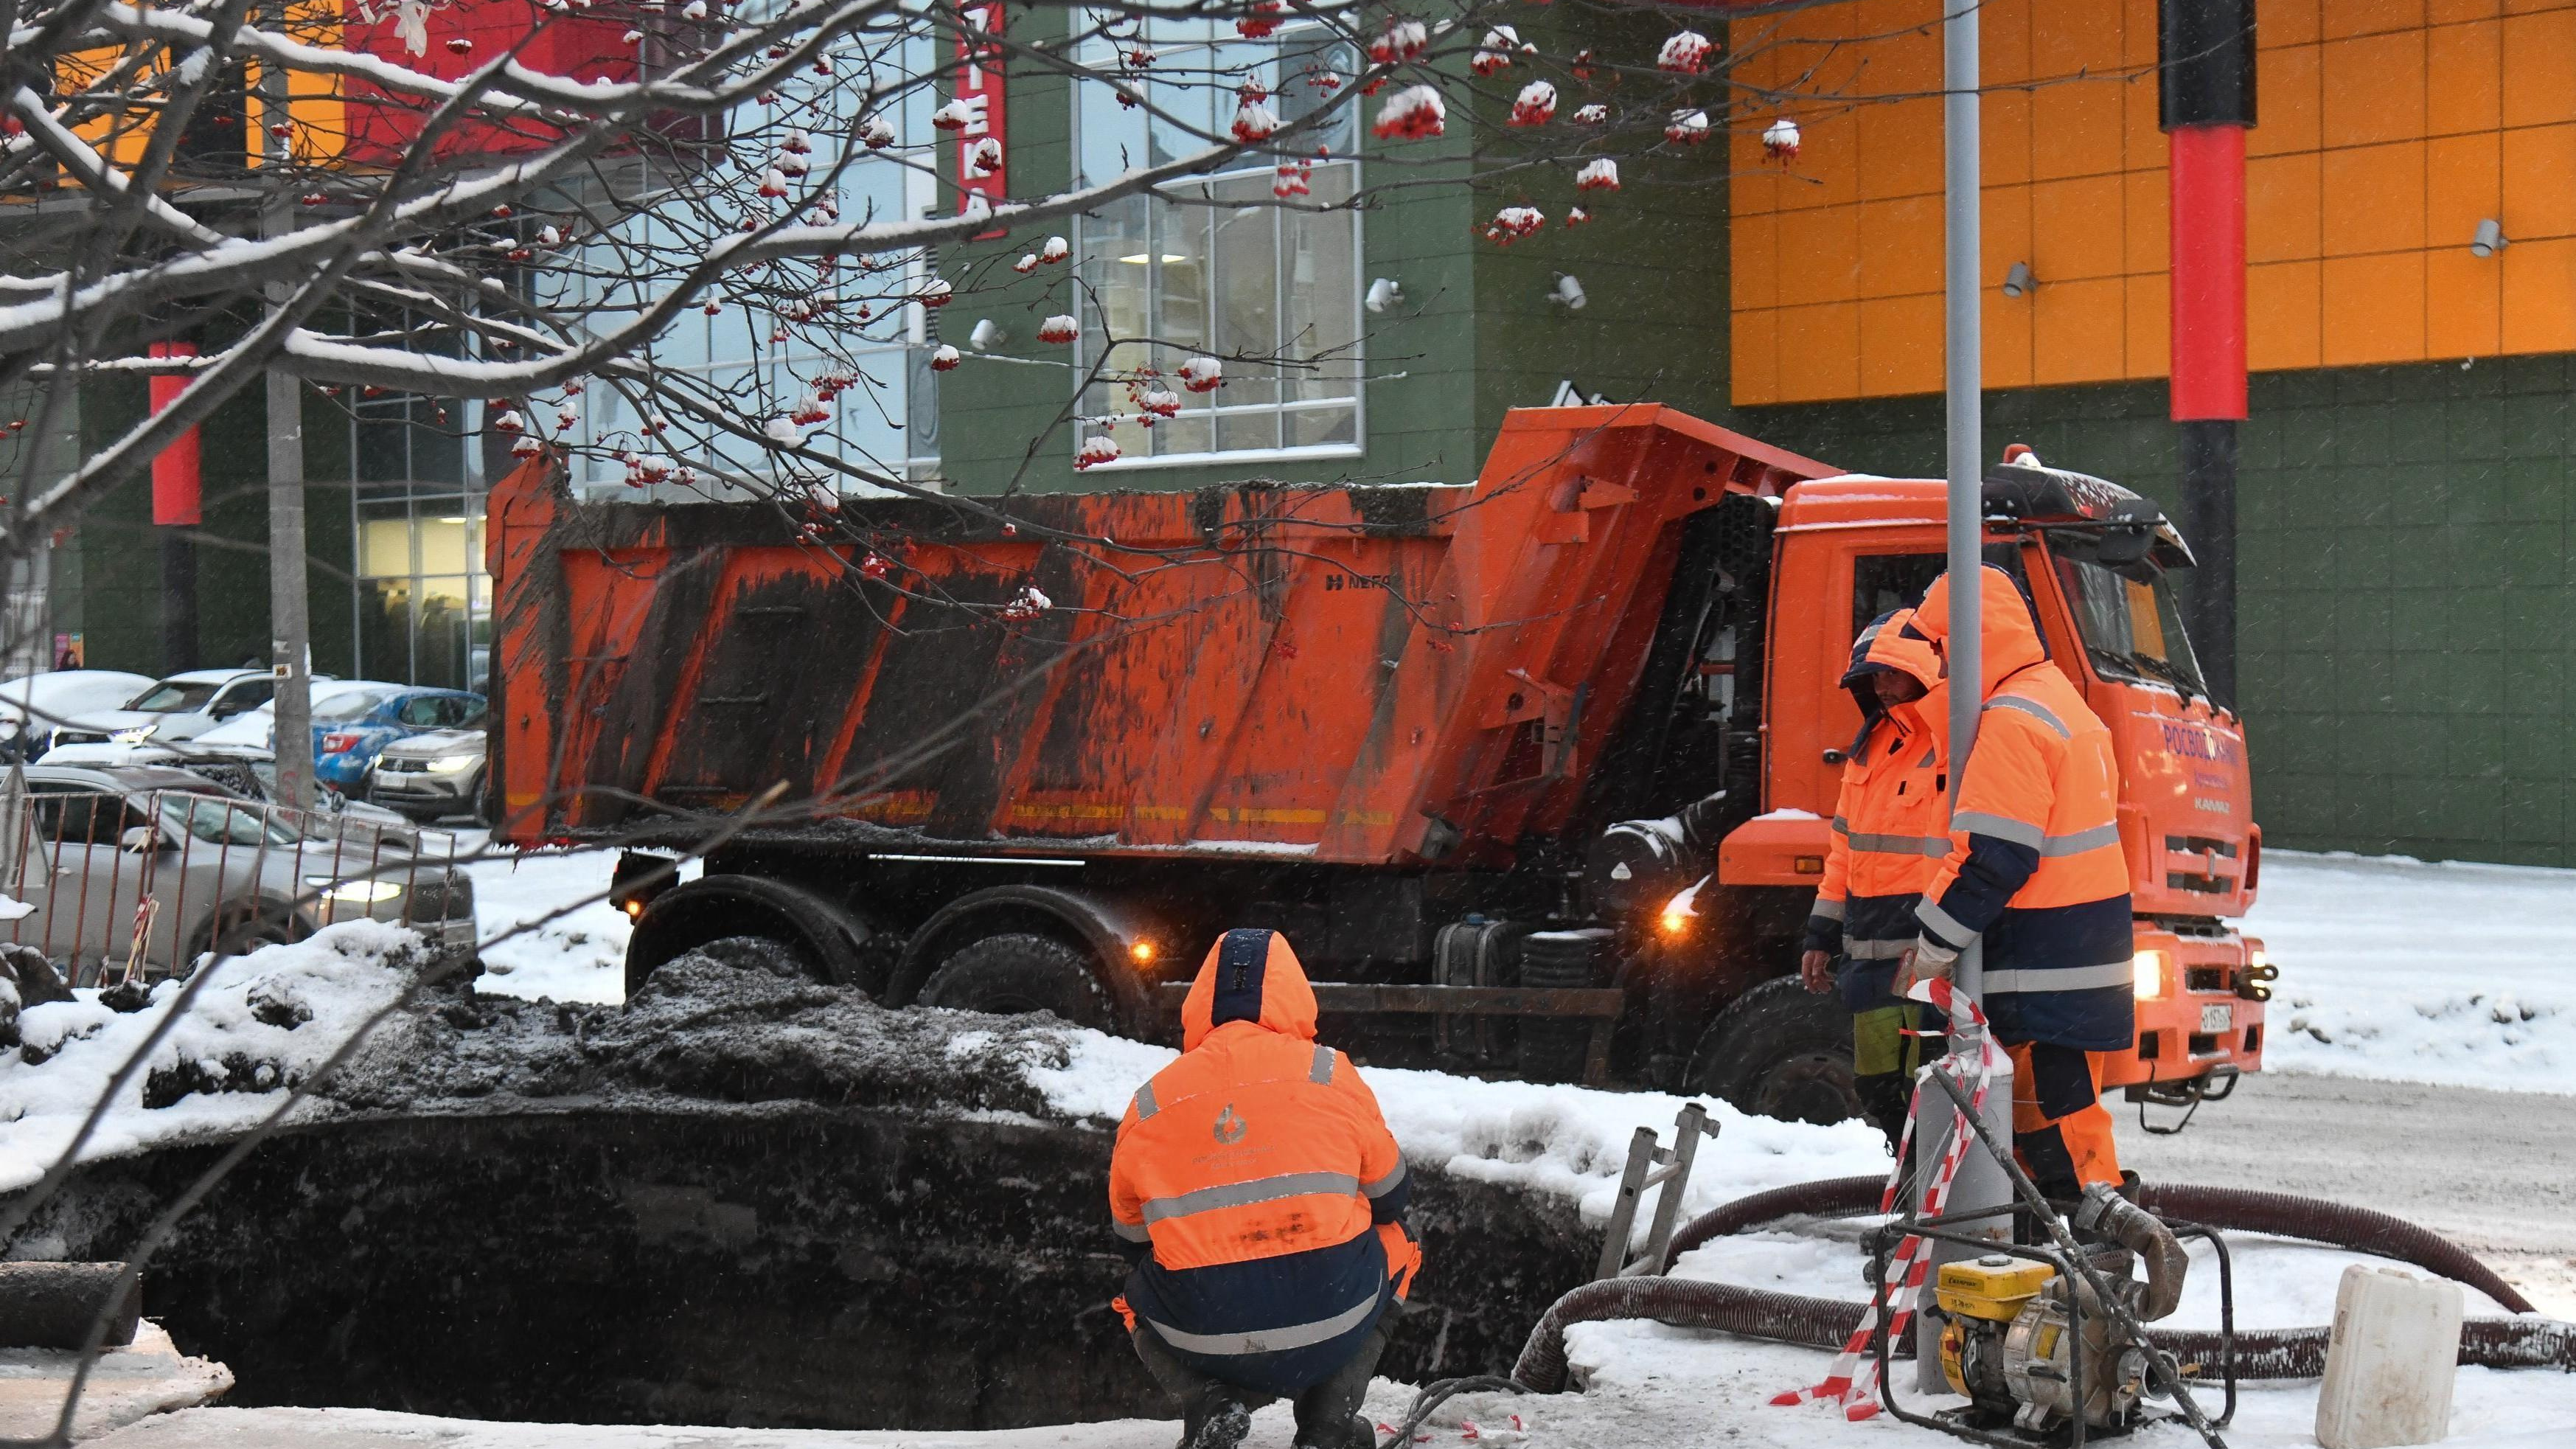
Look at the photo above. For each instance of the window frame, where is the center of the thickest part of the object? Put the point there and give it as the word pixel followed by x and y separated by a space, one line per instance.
pixel 1356 357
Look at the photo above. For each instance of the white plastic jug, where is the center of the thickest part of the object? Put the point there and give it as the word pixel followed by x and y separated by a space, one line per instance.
pixel 2391 1361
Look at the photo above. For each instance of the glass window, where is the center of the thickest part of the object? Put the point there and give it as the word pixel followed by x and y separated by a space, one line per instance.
pixel 245 695
pixel 2132 628
pixel 350 705
pixel 1220 265
pixel 174 698
pixel 1883 582
pixel 426 712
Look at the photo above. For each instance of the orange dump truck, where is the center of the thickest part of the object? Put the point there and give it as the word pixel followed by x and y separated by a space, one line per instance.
pixel 1469 747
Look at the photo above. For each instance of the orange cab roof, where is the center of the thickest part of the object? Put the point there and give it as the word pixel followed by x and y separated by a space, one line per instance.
pixel 1855 498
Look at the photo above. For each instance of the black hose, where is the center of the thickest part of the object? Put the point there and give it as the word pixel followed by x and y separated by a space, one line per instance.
pixel 1435 1394
pixel 2284 1353
pixel 1684 1303
pixel 2318 1221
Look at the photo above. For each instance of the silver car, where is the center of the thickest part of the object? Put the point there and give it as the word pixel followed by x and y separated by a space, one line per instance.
pixel 142 870
pixel 431 776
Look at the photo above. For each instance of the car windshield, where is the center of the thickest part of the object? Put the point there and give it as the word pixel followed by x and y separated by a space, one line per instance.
pixel 175 696
pixel 221 822
pixel 2131 629
pixel 342 708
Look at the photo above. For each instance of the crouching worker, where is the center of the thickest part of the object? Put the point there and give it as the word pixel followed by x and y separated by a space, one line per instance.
pixel 1262 1198
pixel 1891 829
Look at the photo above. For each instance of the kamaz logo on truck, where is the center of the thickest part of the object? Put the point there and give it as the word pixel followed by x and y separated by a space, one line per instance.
pixel 2193 742
pixel 1336 582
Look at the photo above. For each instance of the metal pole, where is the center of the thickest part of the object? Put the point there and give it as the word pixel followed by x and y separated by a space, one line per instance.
pixel 1979 1183
pixel 290 623
pixel 1963 244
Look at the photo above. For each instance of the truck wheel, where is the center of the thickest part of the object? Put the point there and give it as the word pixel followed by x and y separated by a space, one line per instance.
pixel 1011 974
pixel 1781 1051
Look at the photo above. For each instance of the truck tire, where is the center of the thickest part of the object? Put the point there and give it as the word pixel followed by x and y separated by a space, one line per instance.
pixel 1016 973
pixel 1781 1051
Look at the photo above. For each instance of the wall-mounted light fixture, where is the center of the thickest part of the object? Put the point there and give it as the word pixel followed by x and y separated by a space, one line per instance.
pixel 2488 239
pixel 2019 282
pixel 988 334
pixel 1384 293
pixel 1568 291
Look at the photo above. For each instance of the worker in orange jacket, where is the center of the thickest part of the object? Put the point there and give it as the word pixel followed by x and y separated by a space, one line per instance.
pixel 1262 1198
pixel 2036 869
pixel 1891 830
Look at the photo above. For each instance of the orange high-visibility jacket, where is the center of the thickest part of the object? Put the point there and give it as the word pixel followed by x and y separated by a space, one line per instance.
pixel 1891 819
pixel 2035 864
pixel 1257 1184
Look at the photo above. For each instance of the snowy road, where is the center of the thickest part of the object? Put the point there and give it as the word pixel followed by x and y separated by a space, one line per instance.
pixel 2495 1171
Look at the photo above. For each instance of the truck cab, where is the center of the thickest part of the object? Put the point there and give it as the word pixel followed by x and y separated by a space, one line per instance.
pixel 2097 563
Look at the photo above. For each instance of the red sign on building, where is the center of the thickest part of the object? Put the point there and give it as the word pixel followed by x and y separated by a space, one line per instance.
pixel 983 141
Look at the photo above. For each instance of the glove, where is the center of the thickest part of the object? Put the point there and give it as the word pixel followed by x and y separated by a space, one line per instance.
pixel 1927 960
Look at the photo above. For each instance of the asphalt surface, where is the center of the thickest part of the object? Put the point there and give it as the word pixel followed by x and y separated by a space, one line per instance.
pixel 2494 1171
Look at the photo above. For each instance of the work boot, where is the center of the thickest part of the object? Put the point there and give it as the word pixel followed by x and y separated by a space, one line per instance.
pixel 1356 1433
pixel 1216 1421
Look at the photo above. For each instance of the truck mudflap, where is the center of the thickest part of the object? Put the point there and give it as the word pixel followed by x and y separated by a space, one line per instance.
pixel 2200 992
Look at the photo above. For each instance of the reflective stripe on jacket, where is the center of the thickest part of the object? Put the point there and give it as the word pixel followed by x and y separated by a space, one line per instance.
pixel 1257 1183
pixel 1890 827
pixel 2035 865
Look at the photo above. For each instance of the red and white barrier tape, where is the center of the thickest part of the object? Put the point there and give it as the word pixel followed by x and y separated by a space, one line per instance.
pixel 1853 1383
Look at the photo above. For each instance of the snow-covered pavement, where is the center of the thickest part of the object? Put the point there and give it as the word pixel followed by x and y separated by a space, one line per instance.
pixel 2391 968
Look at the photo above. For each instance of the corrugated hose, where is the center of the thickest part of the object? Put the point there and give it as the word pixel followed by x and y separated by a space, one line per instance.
pixel 2279 1353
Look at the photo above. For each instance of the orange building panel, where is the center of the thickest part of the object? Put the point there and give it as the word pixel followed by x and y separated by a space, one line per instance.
pixel 2372 199
pixel 2539 172
pixel 1819 352
pixel 2281 208
pixel 2463 184
pixel 2078 333
pixel 2075 228
pixel 2463 303
pixel 2371 309
pixel 2540 68
pixel 2463 78
pixel 1900 247
pixel 2286 100
pixel 2539 279
pixel 2374 88
pixel 2149 326
pixel 1900 346
pixel 2281 316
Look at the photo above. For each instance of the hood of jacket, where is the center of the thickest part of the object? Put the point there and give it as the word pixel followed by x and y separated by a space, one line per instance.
pixel 2012 642
pixel 1249 975
pixel 1891 644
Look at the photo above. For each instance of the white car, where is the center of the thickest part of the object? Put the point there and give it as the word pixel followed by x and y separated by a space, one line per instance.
pixel 34 705
pixel 180 707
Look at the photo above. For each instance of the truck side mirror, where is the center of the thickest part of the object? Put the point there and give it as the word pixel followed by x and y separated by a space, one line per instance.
pixel 1835 757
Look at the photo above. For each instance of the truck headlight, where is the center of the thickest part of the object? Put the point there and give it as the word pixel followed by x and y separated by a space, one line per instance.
pixel 358 892
pixel 451 764
pixel 2150 969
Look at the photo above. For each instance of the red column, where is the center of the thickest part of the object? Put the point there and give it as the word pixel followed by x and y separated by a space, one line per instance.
pixel 177 489
pixel 2208 237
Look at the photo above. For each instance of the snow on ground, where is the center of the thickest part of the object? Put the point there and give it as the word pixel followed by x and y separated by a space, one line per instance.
pixel 580 957
pixel 2458 974
pixel 284 1008
pixel 1572 1141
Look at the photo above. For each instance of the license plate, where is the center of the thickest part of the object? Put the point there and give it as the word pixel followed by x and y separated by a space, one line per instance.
pixel 2218 1018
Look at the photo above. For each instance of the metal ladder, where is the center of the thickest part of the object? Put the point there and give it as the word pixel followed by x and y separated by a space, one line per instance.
pixel 1651 1165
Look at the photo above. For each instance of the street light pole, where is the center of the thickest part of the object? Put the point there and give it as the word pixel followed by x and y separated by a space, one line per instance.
pixel 1979 1182
pixel 290 623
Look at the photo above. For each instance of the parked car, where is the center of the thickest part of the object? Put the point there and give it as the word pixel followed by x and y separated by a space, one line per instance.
pixel 33 706
pixel 432 776
pixel 110 856
pixel 349 730
pixel 180 707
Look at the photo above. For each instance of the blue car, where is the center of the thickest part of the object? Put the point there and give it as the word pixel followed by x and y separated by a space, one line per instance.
pixel 351 729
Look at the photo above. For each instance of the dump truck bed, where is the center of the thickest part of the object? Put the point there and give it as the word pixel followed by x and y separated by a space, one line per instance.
pixel 1358 675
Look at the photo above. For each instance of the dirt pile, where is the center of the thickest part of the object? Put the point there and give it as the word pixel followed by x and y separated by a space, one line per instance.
pixel 732 1022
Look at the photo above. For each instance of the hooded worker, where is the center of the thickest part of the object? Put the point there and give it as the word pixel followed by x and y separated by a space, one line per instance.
pixel 2035 868
pixel 1891 830
pixel 1258 1190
